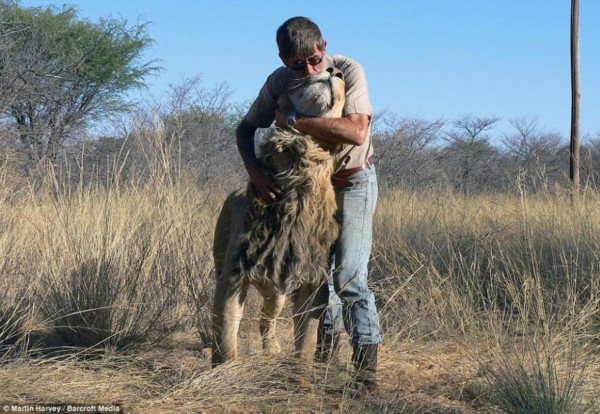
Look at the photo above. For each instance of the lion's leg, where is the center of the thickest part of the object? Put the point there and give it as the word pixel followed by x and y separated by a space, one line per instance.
pixel 227 314
pixel 272 307
pixel 231 289
pixel 309 305
pixel 228 229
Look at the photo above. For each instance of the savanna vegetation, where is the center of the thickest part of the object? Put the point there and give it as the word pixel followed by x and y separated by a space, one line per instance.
pixel 487 275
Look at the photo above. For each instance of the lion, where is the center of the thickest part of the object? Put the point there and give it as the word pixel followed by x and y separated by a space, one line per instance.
pixel 282 248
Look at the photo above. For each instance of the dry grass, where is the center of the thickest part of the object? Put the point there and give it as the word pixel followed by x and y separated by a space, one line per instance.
pixel 514 279
pixel 488 303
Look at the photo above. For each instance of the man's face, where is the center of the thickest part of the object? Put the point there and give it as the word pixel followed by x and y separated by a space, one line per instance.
pixel 309 66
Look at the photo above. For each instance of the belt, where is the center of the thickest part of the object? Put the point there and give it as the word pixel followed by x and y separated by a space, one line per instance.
pixel 339 179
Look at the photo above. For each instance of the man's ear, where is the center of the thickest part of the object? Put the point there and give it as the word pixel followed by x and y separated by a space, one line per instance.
pixel 284 60
pixel 324 50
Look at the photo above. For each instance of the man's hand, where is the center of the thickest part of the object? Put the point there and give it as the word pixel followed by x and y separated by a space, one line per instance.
pixel 260 177
pixel 264 184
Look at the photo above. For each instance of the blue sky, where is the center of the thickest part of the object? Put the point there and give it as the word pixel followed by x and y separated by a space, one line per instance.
pixel 424 58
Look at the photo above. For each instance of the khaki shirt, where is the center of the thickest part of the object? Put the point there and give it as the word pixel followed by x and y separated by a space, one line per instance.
pixel 262 112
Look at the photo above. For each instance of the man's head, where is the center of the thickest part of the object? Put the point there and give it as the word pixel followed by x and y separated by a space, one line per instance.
pixel 301 46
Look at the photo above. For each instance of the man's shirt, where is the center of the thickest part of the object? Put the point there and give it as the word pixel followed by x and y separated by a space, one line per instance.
pixel 262 112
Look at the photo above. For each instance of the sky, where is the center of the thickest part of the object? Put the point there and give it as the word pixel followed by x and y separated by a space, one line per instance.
pixel 427 59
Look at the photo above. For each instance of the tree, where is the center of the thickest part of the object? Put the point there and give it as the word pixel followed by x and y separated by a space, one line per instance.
pixel 191 135
pixel 406 152
pixel 535 153
pixel 59 73
pixel 470 159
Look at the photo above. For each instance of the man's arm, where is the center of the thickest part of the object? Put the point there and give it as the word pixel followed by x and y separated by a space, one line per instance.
pixel 260 177
pixel 351 129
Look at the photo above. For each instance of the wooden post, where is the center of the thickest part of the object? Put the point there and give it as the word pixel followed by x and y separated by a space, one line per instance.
pixel 575 100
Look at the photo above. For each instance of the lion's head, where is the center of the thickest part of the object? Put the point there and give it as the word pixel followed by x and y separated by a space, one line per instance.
pixel 318 95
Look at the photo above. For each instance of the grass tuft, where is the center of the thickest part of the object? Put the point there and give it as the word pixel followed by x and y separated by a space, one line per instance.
pixel 538 378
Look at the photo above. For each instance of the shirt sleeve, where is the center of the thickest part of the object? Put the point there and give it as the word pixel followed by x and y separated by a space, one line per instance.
pixel 357 90
pixel 262 111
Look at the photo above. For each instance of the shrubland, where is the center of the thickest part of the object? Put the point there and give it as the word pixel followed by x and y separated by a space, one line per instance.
pixel 488 302
pixel 485 269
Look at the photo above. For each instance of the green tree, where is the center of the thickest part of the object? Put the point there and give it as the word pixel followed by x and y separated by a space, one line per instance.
pixel 58 73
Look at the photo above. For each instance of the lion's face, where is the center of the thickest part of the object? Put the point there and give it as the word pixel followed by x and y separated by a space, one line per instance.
pixel 319 95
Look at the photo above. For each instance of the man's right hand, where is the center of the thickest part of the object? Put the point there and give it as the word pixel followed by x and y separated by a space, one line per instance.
pixel 260 177
pixel 264 184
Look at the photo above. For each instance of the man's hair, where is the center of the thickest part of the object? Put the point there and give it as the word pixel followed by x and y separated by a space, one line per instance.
pixel 298 36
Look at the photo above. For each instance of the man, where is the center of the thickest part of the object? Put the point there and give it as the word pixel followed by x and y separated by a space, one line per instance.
pixel 303 53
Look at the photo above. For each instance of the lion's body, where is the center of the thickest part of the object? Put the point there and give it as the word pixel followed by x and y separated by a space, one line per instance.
pixel 281 248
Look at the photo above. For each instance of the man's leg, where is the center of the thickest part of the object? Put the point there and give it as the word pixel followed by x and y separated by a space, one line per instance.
pixel 356 206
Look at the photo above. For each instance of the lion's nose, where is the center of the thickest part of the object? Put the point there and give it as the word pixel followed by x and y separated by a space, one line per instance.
pixel 335 72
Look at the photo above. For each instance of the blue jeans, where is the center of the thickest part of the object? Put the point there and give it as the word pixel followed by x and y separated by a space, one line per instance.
pixel 351 302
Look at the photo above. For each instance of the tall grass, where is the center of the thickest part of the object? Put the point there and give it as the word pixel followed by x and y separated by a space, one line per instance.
pixel 107 264
pixel 110 273
pixel 454 259
pixel 121 262
pixel 517 275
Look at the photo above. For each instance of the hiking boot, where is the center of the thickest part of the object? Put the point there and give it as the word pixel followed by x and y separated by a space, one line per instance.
pixel 364 359
pixel 328 346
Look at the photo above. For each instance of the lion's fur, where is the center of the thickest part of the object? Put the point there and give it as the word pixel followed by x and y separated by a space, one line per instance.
pixel 284 247
pixel 288 243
